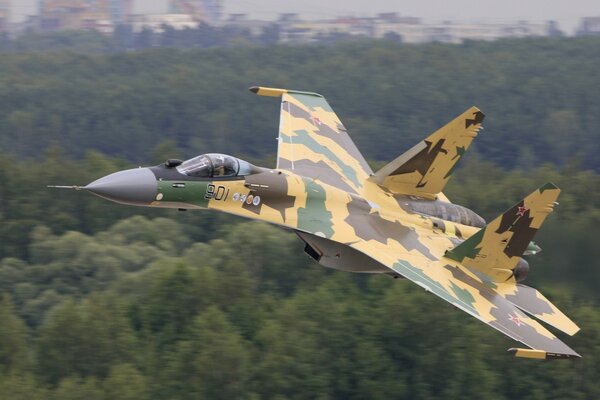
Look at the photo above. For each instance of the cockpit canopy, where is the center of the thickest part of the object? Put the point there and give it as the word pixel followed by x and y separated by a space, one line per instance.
pixel 215 166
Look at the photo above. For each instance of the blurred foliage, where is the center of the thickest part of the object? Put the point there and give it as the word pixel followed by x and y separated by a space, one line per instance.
pixel 145 308
pixel 237 317
pixel 540 97
pixel 101 301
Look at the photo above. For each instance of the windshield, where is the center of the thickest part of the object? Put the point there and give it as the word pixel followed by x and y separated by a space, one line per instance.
pixel 214 165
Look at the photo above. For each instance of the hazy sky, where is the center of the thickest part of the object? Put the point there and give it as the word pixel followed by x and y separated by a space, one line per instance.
pixel 567 12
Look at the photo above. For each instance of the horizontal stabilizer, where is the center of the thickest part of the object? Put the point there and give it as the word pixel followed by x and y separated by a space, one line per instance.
pixel 471 295
pixel 497 248
pixel 534 303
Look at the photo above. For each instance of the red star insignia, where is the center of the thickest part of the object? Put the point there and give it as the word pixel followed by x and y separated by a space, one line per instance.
pixel 316 120
pixel 521 211
pixel 515 318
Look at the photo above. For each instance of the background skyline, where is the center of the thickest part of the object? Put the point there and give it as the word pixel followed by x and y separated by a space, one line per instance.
pixel 567 14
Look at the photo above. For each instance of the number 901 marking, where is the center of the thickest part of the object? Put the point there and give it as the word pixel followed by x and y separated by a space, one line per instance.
pixel 216 192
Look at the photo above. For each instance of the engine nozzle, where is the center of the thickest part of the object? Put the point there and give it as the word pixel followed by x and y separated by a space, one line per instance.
pixel 521 271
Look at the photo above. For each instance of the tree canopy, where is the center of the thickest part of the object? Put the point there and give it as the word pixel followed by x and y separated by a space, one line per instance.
pixel 101 301
pixel 539 96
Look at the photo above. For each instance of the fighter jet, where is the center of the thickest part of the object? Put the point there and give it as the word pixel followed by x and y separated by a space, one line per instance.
pixel 395 221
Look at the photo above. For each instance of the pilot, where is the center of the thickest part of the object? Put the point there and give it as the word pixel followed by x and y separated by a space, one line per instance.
pixel 219 170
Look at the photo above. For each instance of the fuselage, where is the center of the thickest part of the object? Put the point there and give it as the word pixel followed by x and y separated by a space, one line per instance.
pixel 331 221
pixel 286 199
pixel 286 193
pixel 282 197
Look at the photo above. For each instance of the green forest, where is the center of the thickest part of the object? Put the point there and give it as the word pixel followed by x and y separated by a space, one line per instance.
pixel 540 97
pixel 102 301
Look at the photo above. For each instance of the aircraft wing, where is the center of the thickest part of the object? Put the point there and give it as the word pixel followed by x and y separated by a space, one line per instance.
pixel 458 286
pixel 534 303
pixel 314 143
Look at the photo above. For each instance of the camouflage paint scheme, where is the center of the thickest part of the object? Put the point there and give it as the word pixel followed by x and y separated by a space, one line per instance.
pixel 356 220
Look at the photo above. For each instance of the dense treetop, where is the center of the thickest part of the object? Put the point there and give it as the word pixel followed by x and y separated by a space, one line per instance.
pixel 540 97
pixel 101 301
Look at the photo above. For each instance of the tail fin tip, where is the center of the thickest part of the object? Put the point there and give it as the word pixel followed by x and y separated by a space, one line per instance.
pixel 546 186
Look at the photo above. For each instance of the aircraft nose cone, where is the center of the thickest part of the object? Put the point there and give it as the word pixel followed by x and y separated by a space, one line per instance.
pixel 133 186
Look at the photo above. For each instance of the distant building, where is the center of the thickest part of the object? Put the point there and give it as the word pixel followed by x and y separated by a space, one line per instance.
pixel 120 11
pixel 411 30
pixel 4 16
pixel 157 22
pixel 101 15
pixel 406 29
pixel 105 15
pixel 293 29
pixel 254 26
pixel 589 26
pixel 458 33
pixel 206 11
